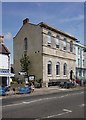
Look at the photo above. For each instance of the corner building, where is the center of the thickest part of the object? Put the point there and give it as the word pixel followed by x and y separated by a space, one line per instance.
pixel 51 52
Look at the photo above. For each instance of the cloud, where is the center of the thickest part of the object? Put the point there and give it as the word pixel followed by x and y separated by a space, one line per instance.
pixel 7 36
pixel 80 17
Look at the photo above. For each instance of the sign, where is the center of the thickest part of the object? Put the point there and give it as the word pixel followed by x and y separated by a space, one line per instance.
pixel 22 73
pixel 31 77
pixel 2 91
pixel 24 89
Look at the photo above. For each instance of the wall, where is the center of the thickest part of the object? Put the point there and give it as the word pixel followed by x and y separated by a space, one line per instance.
pixel 4 61
pixel 53 54
pixel 33 34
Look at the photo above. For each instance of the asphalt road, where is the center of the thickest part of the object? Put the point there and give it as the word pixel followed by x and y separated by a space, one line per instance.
pixel 68 104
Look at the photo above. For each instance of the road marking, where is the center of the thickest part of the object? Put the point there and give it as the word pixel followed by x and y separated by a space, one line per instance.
pixel 40 100
pixel 82 105
pixel 65 111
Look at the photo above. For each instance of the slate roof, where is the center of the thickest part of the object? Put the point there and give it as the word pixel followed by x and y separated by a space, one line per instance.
pixel 3 49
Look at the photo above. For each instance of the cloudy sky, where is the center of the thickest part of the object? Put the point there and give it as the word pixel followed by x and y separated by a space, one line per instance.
pixel 66 16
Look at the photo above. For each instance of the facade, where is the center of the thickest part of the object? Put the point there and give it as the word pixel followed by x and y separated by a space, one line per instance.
pixel 51 52
pixel 80 61
pixel 4 64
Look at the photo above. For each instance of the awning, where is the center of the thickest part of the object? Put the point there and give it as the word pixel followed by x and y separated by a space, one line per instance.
pixel 6 74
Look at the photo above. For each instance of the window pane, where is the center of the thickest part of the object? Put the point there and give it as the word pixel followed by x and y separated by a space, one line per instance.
pixel 25 40
pixel 65 69
pixel 58 69
pixel 57 42
pixel 71 46
pixel 49 68
pixel 64 44
pixel 49 38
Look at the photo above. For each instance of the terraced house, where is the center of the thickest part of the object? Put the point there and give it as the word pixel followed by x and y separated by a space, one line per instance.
pixel 51 52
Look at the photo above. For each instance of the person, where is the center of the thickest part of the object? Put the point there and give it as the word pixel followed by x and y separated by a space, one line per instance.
pixel 32 87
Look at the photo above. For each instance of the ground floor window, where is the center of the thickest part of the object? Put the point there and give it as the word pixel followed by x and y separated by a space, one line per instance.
pixel 57 68
pixel 49 68
pixel 65 69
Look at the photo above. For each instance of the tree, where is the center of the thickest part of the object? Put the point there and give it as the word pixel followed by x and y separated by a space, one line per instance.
pixel 24 61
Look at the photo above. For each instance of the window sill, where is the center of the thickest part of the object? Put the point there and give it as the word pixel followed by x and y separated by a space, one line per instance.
pixel 65 75
pixel 57 75
pixel 49 75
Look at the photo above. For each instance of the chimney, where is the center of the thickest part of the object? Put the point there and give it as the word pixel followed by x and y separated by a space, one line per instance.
pixel 25 21
pixel 1 39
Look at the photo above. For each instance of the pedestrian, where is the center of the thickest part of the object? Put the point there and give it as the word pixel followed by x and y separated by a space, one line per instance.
pixel 32 87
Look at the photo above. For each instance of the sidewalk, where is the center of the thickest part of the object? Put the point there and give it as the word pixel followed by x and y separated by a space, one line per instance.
pixel 40 91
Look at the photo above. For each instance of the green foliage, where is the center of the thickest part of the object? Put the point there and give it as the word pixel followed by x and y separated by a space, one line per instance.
pixel 24 61
pixel 39 80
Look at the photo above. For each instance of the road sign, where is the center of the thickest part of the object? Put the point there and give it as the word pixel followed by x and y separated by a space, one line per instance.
pixel 31 77
pixel 22 73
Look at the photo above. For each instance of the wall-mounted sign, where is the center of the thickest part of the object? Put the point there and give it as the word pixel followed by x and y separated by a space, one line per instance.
pixel 31 77
pixel 22 73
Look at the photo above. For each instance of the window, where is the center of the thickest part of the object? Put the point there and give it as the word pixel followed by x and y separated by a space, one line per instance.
pixel 83 52
pixel 57 68
pixel 64 44
pixel 78 51
pixel 71 46
pixel 57 42
pixel 49 39
pixel 49 68
pixel 25 43
pixel 78 62
pixel 65 69
pixel 83 63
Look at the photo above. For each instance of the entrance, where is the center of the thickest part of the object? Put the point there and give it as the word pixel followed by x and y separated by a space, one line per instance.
pixel 4 81
pixel 71 74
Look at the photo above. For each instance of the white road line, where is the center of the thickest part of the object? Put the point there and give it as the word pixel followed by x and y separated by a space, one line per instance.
pixel 40 100
pixel 66 111
pixel 82 105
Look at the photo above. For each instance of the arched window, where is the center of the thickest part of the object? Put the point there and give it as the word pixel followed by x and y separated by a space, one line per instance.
pixel 57 42
pixel 25 43
pixel 65 69
pixel 57 68
pixel 49 39
pixel 71 46
pixel 49 67
pixel 64 44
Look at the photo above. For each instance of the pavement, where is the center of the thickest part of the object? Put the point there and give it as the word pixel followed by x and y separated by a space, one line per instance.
pixel 40 91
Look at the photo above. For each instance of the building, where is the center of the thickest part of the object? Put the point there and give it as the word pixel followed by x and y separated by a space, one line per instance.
pixel 51 52
pixel 80 61
pixel 4 64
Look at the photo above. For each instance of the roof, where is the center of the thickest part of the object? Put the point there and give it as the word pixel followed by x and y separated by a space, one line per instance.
pixel 3 49
pixel 42 24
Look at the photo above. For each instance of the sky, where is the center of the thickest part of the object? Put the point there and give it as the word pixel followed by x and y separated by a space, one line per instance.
pixel 65 16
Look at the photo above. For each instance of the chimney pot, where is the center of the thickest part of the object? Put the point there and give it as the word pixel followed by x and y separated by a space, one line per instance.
pixel 25 21
pixel 1 39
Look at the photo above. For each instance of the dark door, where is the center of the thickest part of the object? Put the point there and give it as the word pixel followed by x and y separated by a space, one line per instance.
pixel 71 74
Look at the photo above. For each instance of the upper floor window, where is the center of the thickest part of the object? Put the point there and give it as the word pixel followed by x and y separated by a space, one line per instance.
pixel 57 42
pixel 83 63
pixel 71 46
pixel 49 67
pixel 25 44
pixel 57 68
pixel 64 44
pixel 83 52
pixel 78 51
pixel 78 62
pixel 49 39
pixel 65 69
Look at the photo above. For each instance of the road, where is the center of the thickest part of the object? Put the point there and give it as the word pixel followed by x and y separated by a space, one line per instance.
pixel 68 104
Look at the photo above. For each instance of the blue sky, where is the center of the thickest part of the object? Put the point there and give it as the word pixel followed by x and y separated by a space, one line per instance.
pixel 66 16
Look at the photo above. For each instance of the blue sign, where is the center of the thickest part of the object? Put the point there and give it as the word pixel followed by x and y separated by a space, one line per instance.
pixel 2 91
pixel 24 89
